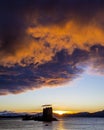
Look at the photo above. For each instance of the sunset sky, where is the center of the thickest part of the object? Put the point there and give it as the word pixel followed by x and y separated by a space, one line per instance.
pixel 52 52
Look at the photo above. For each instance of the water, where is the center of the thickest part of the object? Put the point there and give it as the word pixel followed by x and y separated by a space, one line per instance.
pixel 63 124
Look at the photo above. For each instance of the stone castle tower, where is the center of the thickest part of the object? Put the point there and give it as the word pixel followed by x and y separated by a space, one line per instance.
pixel 47 113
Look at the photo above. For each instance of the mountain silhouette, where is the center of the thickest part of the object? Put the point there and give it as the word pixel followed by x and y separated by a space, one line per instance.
pixel 86 114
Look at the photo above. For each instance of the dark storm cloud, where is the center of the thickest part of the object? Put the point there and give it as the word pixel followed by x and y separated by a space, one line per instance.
pixel 61 69
pixel 48 42
pixel 17 15
pixel 19 79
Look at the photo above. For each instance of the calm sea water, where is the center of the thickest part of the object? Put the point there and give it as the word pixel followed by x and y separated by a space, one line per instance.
pixel 63 124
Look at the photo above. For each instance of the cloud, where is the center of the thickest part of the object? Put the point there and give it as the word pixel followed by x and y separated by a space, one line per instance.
pixel 19 79
pixel 48 42
pixel 61 69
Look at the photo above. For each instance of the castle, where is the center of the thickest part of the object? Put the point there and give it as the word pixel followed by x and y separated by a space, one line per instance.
pixel 46 116
pixel 47 113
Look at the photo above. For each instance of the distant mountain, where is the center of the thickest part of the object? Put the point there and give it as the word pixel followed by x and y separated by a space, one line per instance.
pixel 98 114
pixel 86 114
pixel 11 114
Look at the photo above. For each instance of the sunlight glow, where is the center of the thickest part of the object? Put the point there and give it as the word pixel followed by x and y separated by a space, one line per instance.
pixel 59 112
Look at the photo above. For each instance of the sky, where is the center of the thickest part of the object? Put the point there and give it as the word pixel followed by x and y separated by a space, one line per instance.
pixel 52 52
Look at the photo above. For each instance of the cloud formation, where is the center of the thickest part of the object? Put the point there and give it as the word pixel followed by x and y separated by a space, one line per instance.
pixel 48 42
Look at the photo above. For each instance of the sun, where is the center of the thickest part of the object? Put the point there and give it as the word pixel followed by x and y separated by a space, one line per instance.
pixel 59 112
